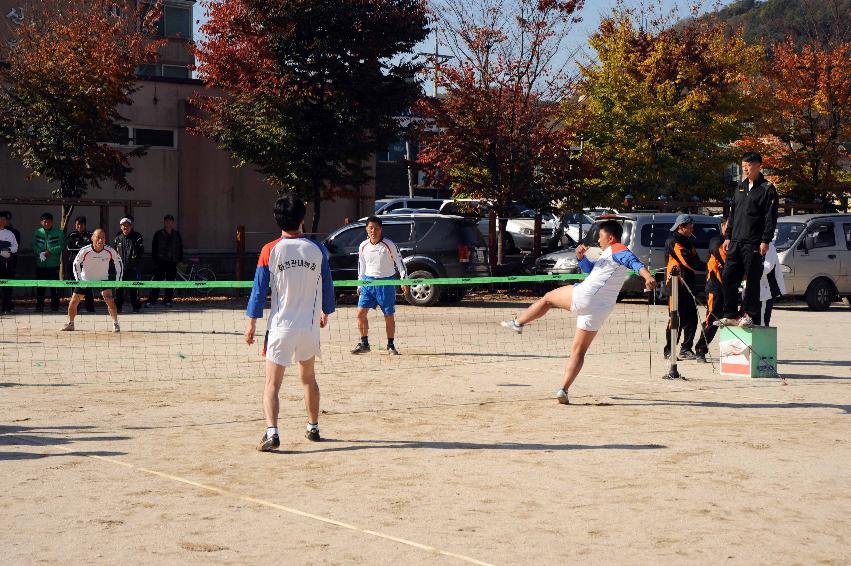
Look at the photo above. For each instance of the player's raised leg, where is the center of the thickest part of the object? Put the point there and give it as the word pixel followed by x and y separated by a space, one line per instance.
pixel 311 397
pixel 581 342
pixel 561 298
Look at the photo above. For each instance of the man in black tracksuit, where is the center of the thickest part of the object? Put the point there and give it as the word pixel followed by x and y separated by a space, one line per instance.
pixel 714 292
pixel 129 245
pixel 750 228
pixel 681 253
pixel 74 242
pixel 167 250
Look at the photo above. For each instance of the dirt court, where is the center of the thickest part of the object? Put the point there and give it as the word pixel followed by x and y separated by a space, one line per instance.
pixel 138 448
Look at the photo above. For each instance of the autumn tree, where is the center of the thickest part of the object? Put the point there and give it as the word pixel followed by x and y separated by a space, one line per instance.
pixel 806 117
pixel 662 104
pixel 497 133
pixel 71 66
pixel 311 88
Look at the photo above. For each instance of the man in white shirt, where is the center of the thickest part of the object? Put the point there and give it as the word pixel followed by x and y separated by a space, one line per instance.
pixel 302 298
pixel 378 258
pixel 92 264
pixel 771 286
pixel 8 247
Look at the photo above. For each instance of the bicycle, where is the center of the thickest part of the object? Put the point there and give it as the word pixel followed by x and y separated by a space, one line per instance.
pixel 192 270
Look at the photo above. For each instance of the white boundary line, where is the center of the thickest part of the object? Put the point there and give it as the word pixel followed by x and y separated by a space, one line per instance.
pixel 262 502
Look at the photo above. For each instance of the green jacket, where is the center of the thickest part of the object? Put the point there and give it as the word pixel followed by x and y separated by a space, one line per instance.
pixel 52 241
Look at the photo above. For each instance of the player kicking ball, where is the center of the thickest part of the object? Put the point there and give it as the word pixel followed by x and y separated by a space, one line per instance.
pixel 302 298
pixel 592 300
pixel 92 264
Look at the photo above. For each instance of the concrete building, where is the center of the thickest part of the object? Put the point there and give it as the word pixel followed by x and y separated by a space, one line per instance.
pixel 181 174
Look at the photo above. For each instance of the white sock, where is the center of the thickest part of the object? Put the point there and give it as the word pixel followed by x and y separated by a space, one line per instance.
pixel 271 431
pixel 312 426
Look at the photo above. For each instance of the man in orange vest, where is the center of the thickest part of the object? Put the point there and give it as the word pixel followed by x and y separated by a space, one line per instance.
pixel 714 292
pixel 681 253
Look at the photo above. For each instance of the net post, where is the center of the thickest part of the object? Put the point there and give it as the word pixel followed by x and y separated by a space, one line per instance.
pixel 674 331
pixel 240 252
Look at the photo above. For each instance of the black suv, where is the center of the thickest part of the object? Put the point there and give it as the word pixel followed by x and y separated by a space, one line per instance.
pixel 432 245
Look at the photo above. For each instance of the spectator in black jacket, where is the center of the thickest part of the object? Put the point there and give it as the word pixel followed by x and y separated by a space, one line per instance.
pixel 750 228
pixel 74 242
pixel 17 233
pixel 167 249
pixel 9 265
pixel 129 245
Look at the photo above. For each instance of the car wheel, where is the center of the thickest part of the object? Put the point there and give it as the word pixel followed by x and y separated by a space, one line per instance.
pixel 820 295
pixel 422 294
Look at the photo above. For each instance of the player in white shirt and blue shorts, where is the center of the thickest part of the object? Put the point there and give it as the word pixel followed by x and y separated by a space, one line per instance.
pixel 592 300
pixel 298 272
pixel 92 263
pixel 378 258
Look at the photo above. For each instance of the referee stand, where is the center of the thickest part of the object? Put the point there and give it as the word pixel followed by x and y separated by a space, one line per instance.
pixel 673 372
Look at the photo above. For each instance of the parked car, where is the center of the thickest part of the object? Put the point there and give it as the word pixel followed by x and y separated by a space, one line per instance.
pixel 645 235
pixel 520 228
pixel 432 245
pixel 391 205
pixel 576 225
pixel 815 257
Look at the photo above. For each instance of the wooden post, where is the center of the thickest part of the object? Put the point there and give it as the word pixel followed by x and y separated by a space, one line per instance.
pixel 240 252
pixel 536 237
pixel 492 251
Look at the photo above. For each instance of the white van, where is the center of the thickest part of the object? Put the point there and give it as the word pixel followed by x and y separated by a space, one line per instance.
pixel 815 257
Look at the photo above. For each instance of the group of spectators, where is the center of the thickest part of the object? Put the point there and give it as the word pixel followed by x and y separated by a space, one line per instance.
pixel 51 247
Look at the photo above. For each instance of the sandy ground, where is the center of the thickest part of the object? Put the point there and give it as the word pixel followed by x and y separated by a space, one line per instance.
pixel 139 448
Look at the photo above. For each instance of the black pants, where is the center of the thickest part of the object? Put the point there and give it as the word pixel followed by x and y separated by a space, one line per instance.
pixel 129 275
pixel 163 271
pixel 688 321
pixel 714 311
pixel 744 262
pixel 47 274
pixel 765 308
pixel 6 292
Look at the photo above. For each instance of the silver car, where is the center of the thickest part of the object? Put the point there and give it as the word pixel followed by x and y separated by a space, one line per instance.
pixel 645 234
pixel 815 256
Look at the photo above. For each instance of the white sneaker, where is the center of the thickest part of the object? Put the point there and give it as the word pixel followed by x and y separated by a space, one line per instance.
pixel 512 325
pixel 725 322
pixel 561 396
pixel 116 327
pixel 746 322
pixel 69 327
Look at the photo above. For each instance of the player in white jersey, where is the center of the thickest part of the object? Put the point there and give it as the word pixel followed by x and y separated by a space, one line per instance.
pixel 592 300
pixel 302 298
pixel 378 258
pixel 92 264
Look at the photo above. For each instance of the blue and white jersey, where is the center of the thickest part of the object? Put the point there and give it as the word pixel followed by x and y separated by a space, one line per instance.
pixel 298 271
pixel 607 274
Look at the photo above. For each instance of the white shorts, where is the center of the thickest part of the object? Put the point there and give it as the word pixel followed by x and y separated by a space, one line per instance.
pixel 285 349
pixel 588 315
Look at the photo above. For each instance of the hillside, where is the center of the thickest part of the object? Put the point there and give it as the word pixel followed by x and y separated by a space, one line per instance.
pixel 773 20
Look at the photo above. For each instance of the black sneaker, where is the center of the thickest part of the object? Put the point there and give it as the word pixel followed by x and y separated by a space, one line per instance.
pixel 268 444
pixel 391 349
pixel 312 434
pixel 687 355
pixel 361 348
pixel 666 353
pixel 700 357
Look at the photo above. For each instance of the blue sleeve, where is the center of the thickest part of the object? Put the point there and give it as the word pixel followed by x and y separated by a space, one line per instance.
pixel 258 292
pixel 329 303
pixel 586 265
pixel 628 260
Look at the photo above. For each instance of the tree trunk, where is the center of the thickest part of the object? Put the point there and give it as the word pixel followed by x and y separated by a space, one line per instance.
pixel 317 204
pixel 501 238
pixel 66 188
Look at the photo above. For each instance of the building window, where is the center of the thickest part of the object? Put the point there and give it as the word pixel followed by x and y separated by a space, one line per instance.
pixel 157 70
pixel 176 72
pixel 153 138
pixel 396 152
pixel 175 21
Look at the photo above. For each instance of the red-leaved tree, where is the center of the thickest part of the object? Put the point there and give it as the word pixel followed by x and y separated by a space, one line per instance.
pixel 497 133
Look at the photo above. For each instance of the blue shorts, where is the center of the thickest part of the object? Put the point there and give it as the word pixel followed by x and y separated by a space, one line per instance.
pixel 383 296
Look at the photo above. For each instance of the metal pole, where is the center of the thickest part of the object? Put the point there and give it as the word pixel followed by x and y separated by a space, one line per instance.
pixel 410 167
pixel 675 324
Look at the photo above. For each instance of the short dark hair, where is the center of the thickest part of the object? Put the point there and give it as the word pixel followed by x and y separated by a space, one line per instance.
pixel 6 214
pixel 168 217
pixel 80 219
pixel 375 219
pixel 289 212
pixel 613 228
pixel 752 157
pixel 46 216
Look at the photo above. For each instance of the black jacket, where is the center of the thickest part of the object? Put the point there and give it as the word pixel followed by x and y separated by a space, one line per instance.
pixel 13 261
pixel 130 248
pixel 167 248
pixel 753 215
pixel 715 265
pixel 75 241
pixel 680 252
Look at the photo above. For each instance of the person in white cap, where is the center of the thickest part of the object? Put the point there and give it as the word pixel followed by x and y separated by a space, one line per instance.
pixel 130 247
pixel 92 264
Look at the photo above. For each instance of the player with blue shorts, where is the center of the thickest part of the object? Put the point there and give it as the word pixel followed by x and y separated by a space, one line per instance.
pixel 378 258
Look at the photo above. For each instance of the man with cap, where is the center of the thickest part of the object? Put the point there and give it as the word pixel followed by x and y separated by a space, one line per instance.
pixel 74 242
pixel 167 251
pixel 48 241
pixel 680 253
pixel 130 247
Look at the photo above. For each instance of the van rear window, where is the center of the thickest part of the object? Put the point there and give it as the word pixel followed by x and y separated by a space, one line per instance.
pixel 655 235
